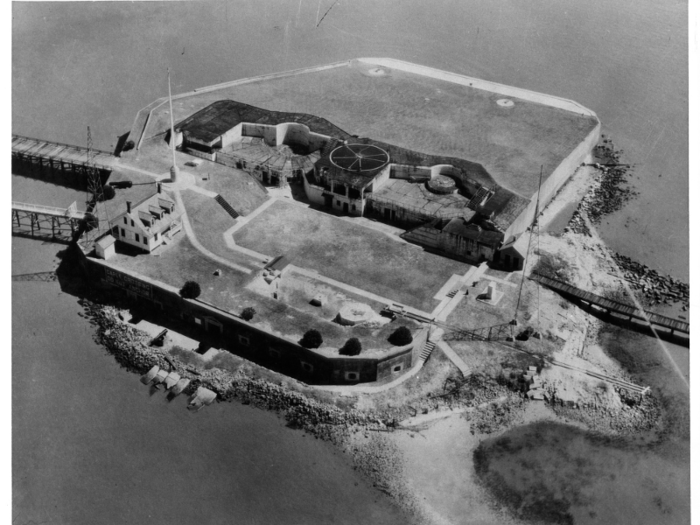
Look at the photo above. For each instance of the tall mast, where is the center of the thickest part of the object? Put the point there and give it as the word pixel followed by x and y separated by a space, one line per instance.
pixel 173 169
pixel 535 223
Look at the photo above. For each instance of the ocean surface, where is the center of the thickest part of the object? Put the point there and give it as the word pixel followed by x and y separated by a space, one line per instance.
pixel 90 444
pixel 98 63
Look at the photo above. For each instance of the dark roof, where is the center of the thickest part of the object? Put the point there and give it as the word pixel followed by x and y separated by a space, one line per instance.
pixel 459 226
pixel 216 119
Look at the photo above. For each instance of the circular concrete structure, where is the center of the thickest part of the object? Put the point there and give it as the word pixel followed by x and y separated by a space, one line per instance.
pixel 442 185
pixel 359 157
pixel 376 72
pixel 505 102
pixel 353 313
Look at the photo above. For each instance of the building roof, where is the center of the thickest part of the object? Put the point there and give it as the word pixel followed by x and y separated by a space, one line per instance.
pixel 517 244
pixel 459 226
pixel 208 124
pixel 106 241
pixel 141 213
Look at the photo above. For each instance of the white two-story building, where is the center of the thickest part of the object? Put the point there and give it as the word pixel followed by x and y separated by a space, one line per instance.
pixel 149 223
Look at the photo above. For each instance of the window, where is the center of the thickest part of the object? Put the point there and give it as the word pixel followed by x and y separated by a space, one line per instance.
pixel 125 219
pixel 306 367
pixel 123 233
pixel 244 340
pixel 138 239
pixel 132 223
pixel 352 376
pixel 197 321
pixel 275 353
pixel 145 241
pixel 354 207
pixel 397 368
pixel 156 237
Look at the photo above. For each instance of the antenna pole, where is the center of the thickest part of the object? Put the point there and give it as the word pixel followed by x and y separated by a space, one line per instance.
pixel 173 170
pixel 535 221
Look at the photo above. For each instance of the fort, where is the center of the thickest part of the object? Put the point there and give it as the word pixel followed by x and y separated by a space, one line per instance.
pixel 349 199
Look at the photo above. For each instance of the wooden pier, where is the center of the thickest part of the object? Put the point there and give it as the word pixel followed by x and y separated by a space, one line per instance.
pixel 44 221
pixel 53 157
pixel 611 306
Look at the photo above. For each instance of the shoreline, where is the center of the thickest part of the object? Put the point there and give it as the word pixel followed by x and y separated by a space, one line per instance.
pixel 371 435
pixel 372 439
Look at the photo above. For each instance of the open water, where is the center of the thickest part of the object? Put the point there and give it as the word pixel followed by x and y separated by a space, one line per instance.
pixel 90 445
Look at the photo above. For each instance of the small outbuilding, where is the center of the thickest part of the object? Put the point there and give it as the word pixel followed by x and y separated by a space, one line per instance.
pixel 104 247
pixel 512 254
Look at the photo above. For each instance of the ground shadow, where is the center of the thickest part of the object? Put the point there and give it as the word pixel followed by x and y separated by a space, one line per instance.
pixel 634 325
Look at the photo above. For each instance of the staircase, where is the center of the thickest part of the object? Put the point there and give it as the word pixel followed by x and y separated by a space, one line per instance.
pixel 226 206
pixel 428 348
pixel 478 198
pixel 452 293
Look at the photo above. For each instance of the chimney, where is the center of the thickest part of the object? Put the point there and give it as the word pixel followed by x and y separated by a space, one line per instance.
pixel 128 206
pixel 158 186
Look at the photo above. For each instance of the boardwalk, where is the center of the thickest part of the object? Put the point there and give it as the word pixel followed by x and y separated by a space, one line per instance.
pixel 56 155
pixel 71 212
pixel 47 221
pixel 613 306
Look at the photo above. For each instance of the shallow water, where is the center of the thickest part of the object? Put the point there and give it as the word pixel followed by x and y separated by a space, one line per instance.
pixel 86 431
pixel 591 480
pixel 92 445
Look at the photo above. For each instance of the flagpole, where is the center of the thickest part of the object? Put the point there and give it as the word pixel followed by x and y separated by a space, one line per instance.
pixel 173 169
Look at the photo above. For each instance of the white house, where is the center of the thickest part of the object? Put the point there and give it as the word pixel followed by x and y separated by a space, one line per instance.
pixel 149 223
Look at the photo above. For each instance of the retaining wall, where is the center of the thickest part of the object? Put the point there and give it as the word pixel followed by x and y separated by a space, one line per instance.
pixel 242 338
pixel 554 182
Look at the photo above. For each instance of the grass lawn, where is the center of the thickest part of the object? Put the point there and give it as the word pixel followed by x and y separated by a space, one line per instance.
pixel 419 113
pixel 209 222
pixel 240 189
pixel 354 255
pixel 181 262
pixel 471 313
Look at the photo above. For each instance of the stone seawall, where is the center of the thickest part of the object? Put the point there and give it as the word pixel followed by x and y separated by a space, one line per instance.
pixel 252 342
pixel 553 183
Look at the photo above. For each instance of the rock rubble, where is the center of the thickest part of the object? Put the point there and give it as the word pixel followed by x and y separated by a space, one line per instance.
pixel 655 287
pixel 609 191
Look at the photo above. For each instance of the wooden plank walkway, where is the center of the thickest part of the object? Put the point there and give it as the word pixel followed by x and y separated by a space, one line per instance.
pixel 613 306
pixel 29 147
pixel 70 212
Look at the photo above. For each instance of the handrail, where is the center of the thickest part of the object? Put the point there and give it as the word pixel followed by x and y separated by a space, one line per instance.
pixel 51 210
pixel 73 146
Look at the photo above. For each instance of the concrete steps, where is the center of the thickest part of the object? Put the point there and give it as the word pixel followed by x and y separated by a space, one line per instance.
pixel 478 198
pixel 226 206
pixel 428 348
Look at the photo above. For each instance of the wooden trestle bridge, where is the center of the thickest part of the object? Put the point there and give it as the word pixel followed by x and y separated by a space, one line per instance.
pixel 50 157
pixel 47 221
pixel 610 306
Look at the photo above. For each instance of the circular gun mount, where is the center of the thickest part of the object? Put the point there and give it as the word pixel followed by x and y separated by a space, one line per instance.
pixel 359 157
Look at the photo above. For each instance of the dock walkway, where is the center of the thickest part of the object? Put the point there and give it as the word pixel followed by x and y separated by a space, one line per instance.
pixel 56 153
pixel 613 306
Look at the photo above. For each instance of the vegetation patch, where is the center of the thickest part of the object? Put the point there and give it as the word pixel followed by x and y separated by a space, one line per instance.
pixel 553 267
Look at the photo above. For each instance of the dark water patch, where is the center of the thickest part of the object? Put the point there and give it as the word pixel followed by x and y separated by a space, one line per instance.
pixel 556 473
pixel 656 364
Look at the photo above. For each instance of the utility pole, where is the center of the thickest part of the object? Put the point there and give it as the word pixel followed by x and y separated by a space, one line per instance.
pixel 174 171
pixel 96 199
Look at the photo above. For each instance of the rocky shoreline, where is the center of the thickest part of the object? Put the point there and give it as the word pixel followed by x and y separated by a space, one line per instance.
pixel 609 191
pixel 655 287
pixel 489 405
